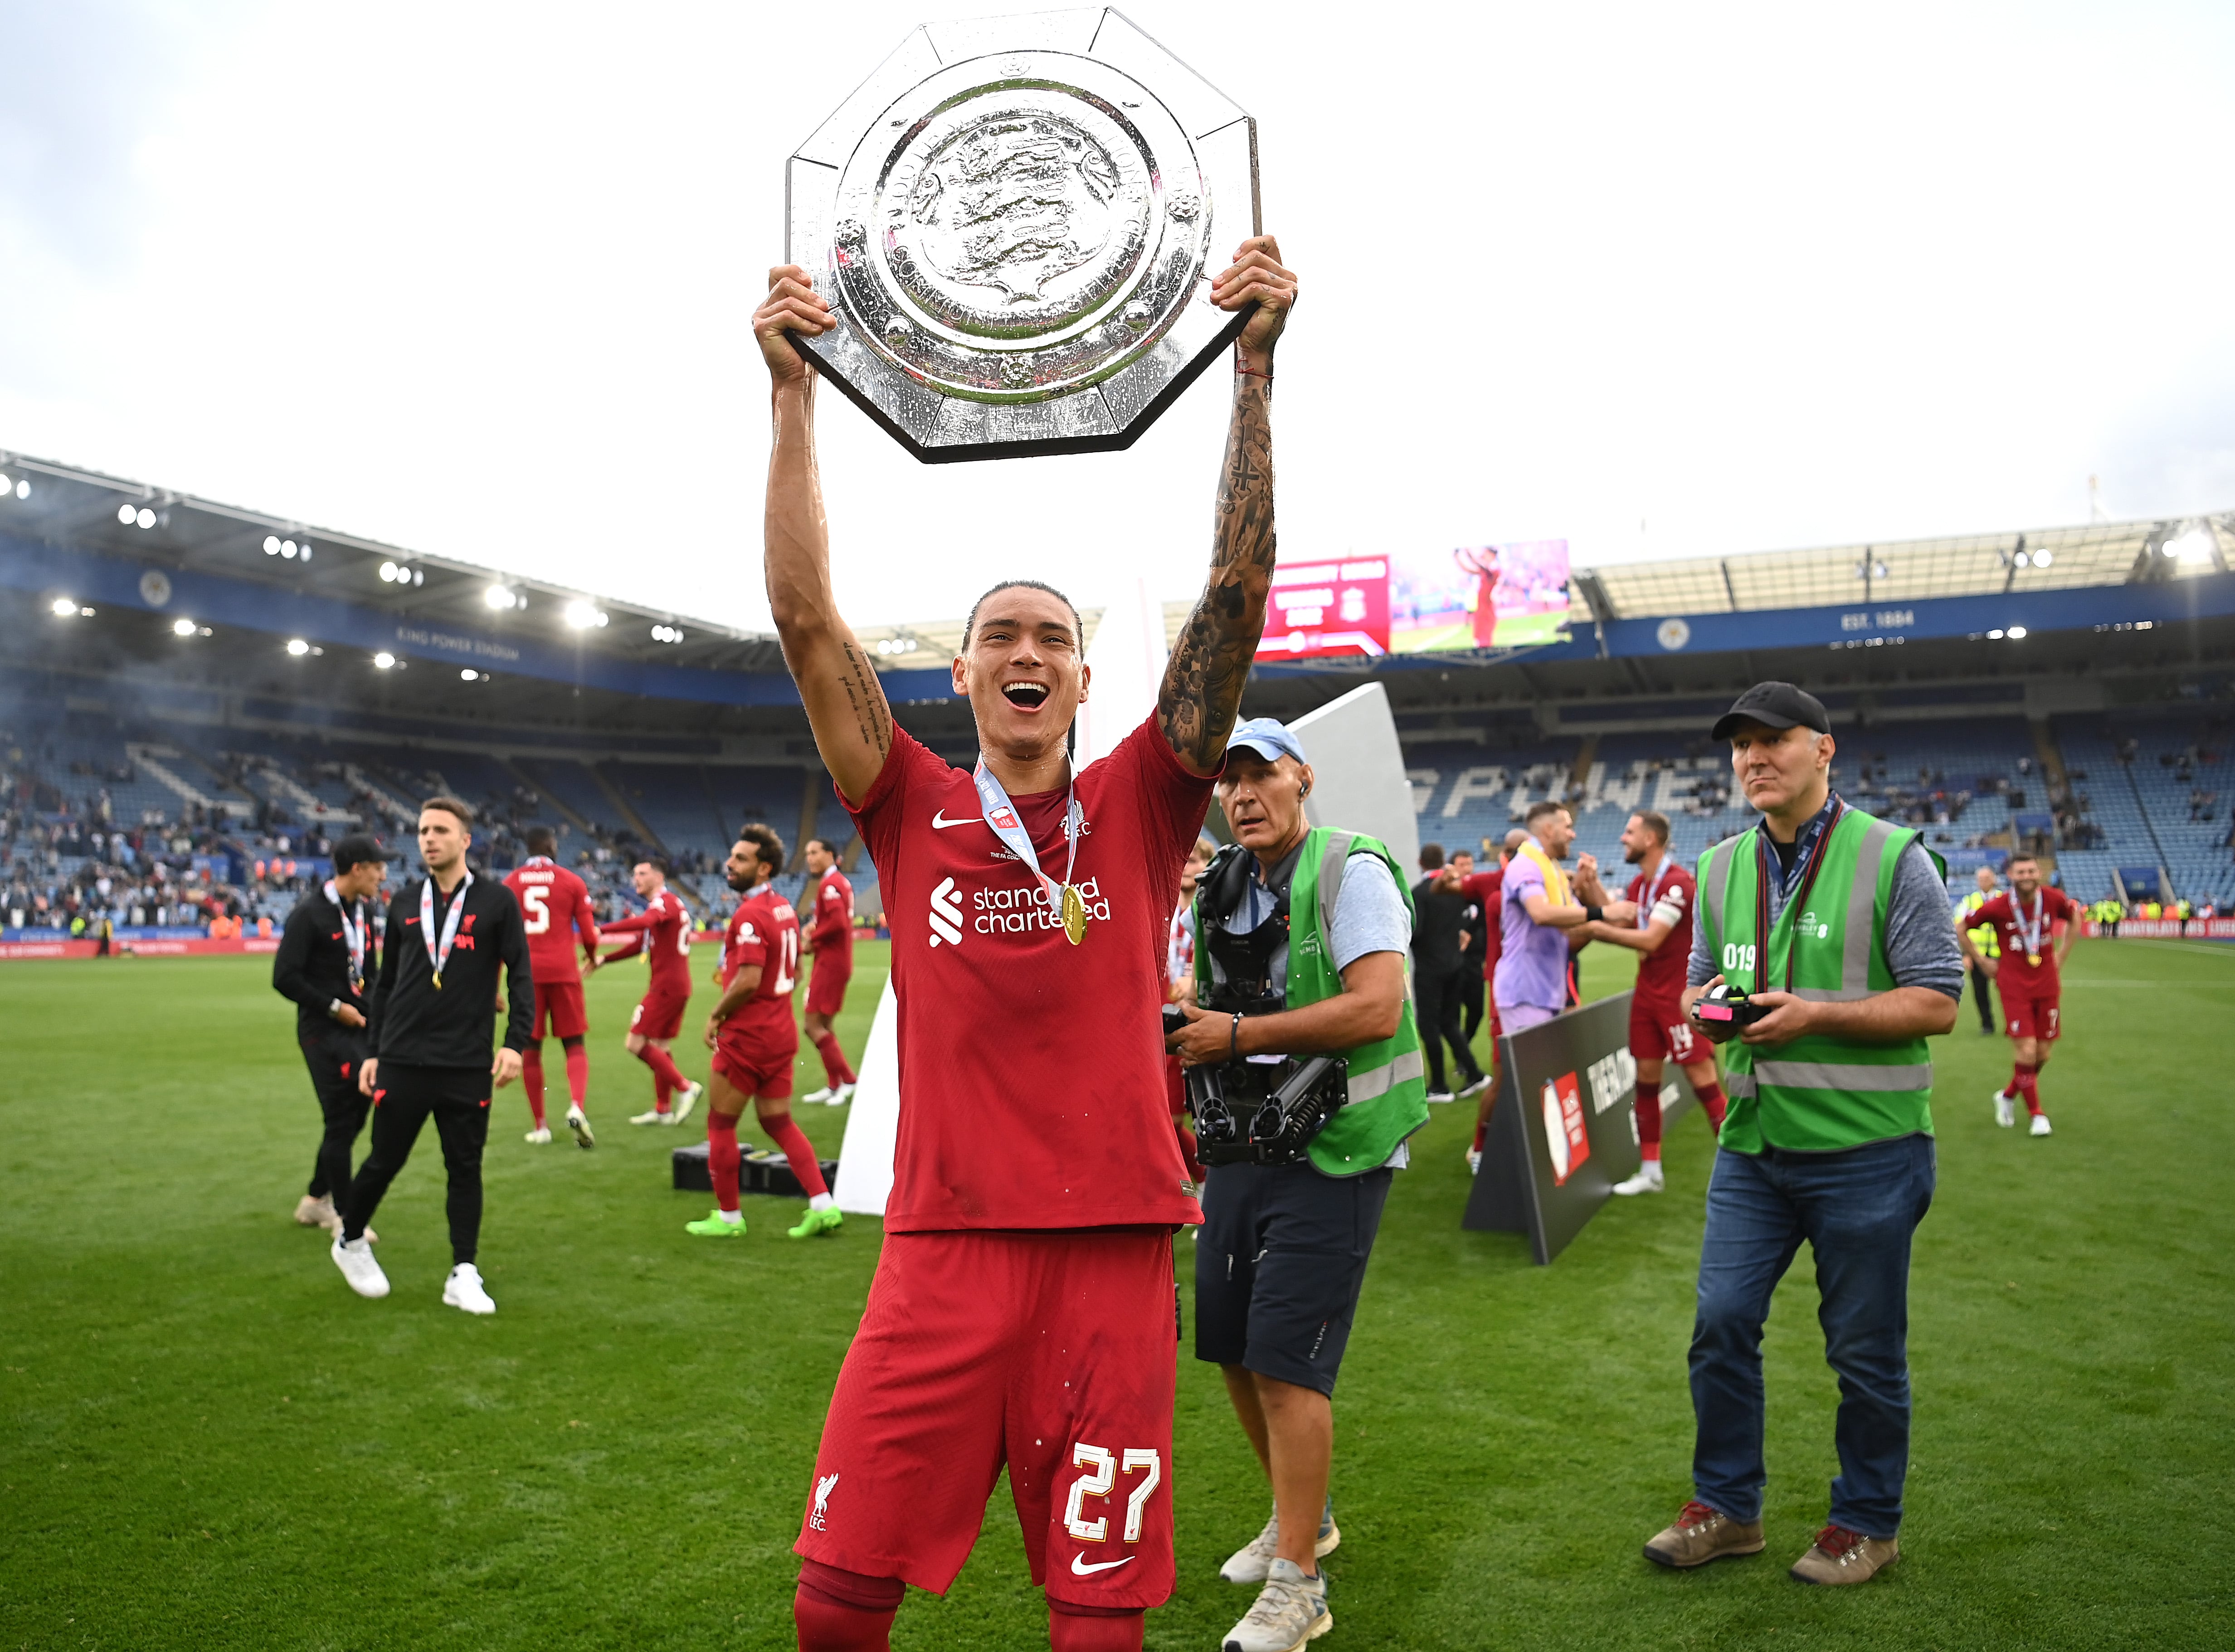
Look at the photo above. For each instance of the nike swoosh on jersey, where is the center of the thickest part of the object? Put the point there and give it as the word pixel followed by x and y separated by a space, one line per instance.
pixel 1079 1567
pixel 939 822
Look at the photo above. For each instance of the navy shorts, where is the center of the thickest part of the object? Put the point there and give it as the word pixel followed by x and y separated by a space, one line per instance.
pixel 1279 1262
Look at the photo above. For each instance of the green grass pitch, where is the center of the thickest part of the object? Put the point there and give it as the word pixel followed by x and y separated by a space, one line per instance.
pixel 209 1443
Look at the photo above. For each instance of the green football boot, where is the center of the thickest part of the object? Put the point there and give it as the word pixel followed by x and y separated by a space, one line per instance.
pixel 713 1227
pixel 814 1222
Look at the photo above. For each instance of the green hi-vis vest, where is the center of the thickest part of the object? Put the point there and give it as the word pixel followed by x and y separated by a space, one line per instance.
pixel 1984 936
pixel 1816 1094
pixel 1388 1090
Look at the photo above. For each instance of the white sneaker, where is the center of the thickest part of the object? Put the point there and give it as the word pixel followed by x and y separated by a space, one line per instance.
pixel 1474 1161
pixel 1439 1096
pixel 463 1289
pixel 579 1121
pixel 655 1116
pixel 356 1261
pixel 817 1097
pixel 1252 1562
pixel 2006 1110
pixel 538 1137
pixel 316 1213
pixel 1648 1180
pixel 1291 1612
pixel 686 1101
pixel 2039 1125
pixel 844 1095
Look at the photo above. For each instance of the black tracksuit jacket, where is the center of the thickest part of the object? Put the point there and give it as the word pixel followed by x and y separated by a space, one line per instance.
pixel 415 1023
pixel 311 965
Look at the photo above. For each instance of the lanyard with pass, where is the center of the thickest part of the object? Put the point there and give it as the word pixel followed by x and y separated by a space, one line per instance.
pixel 1768 867
pixel 440 955
pixel 354 934
pixel 1064 898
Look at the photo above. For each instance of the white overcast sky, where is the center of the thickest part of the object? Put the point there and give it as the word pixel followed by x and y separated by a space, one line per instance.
pixel 1660 280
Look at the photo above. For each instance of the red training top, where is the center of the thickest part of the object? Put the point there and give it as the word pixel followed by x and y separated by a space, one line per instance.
pixel 1661 973
pixel 2011 919
pixel 763 930
pixel 556 904
pixel 832 939
pixel 662 930
pixel 1032 1070
pixel 1487 890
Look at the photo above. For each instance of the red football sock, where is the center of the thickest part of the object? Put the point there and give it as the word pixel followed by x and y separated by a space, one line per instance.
pixel 834 1059
pixel 531 1080
pixel 577 1071
pixel 666 1079
pixel 1649 1121
pixel 798 1153
pixel 844 1611
pixel 2026 1082
pixel 1714 1104
pixel 1093 1629
pixel 722 1157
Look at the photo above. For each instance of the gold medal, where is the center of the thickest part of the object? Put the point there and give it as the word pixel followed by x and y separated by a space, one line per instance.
pixel 438 980
pixel 1074 914
pixel 2033 959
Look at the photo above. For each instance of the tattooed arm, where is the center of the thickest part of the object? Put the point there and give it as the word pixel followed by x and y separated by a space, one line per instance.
pixel 845 705
pixel 1203 686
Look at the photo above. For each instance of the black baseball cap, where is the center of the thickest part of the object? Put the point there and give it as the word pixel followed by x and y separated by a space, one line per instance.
pixel 356 849
pixel 1775 705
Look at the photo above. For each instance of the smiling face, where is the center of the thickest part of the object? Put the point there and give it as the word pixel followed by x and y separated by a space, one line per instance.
pixel 1638 840
pixel 1780 770
pixel 1555 830
pixel 1021 668
pixel 1263 802
pixel 2025 877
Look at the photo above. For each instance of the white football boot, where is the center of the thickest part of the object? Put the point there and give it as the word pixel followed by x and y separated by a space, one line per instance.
pixel 540 1136
pixel 1648 1180
pixel 655 1116
pixel 2006 1110
pixel 818 1098
pixel 358 1266
pixel 686 1100
pixel 579 1121
pixel 844 1094
pixel 2039 1125
pixel 463 1289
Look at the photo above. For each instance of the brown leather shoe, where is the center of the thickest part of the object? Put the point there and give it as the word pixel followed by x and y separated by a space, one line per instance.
pixel 1702 1534
pixel 1844 1556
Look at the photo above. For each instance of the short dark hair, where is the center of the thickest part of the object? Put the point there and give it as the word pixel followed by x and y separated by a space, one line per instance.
pixel 540 840
pixel 825 845
pixel 1543 807
pixel 970 626
pixel 1431 857
pixel 766 843
pixel 658 863
pixel 354 850
pixel 1655 821
pixel 449 806
pixel 2015 859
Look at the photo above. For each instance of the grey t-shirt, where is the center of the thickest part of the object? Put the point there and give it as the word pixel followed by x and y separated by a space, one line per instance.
pixel 1920 941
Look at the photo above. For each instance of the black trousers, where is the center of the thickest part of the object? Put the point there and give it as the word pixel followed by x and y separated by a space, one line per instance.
pixel 333 1057
pixel 1472 990
pixel 1984 993
pixel 405 1097
pixel 1436 1003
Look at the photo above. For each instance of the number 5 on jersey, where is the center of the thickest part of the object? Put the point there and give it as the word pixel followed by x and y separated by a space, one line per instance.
pixel 537 899
pixel 1102 1468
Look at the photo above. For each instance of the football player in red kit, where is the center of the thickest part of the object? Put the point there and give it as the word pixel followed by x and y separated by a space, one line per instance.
pixel 662 932
pixel 754 1041
pixel 556 905
pixel 1663 894
pixel 830 898
pixel 2035 926
pixel 1487 891
pixel 1021 1315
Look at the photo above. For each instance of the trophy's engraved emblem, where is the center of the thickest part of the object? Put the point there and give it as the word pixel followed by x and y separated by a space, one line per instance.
pixel 1014 202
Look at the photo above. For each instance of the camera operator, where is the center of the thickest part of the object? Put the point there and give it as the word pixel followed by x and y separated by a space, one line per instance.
pixel 1301 936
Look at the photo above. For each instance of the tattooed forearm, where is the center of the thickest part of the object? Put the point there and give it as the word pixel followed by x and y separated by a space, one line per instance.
pixel 873 716
pixel 1210 662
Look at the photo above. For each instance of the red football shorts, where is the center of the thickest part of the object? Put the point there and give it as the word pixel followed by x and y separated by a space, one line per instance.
pixel 1054 1352
pixel 756 1063
pixel 561 1004
pixel 1658 1031
pixel 659 1013
pixel 2030 1015
pixel 826 986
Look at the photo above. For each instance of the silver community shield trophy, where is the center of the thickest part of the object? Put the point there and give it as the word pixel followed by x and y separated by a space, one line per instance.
pixel 1016 221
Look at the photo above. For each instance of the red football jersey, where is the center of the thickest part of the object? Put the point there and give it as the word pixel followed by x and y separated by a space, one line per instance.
pixel 2012 920
pixel 1661 974
pixel 662 931
pixel 556 907
pixel 763 930
pixel 832 940
pixel 1031 1072
pixel 1487 890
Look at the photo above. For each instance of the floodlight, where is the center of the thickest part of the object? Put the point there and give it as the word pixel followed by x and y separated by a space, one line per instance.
pixel 5 485
pixel 66 607
pixel 467 675
pixel 297 647
pixel 146 518
pixel 388 571
pixel 2024 559
pixel 22 489
pixel 84 612
pixel 271 544
pixel 497 597
pixel 2194 546
pixel 287 548
pixel 1995 636
pixel 583 616
pixel 2016 632
pixel 2042 558
pixel 182 627
pixel 124 515
pixel 384 660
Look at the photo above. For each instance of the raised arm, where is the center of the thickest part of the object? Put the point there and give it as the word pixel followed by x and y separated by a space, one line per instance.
pixel 845 706
pixel 1201 693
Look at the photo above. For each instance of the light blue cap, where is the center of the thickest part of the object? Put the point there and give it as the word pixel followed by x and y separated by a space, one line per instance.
pixel 1268 737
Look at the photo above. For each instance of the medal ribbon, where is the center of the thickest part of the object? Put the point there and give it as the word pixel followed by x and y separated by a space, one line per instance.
pixel 1645 906
pixel 1001 815
pixel 2029 933
pixel 439 956
pixel 355 933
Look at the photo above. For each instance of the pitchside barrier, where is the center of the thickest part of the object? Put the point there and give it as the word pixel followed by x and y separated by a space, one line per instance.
pixel 765 1171
pixel 1564 1132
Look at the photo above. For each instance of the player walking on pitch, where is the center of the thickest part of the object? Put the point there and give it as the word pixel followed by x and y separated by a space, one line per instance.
pixel 662 933
pixel 554 907
pixel 831 941
pixel 1664 895
pixel 755 1043
pixel 2026 918
pixel 1022 1309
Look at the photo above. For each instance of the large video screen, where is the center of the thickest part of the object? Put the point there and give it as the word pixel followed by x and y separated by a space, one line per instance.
pixel 1476 597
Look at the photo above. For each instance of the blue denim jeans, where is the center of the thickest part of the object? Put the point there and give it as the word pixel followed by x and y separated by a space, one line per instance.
pixel 1858 1210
